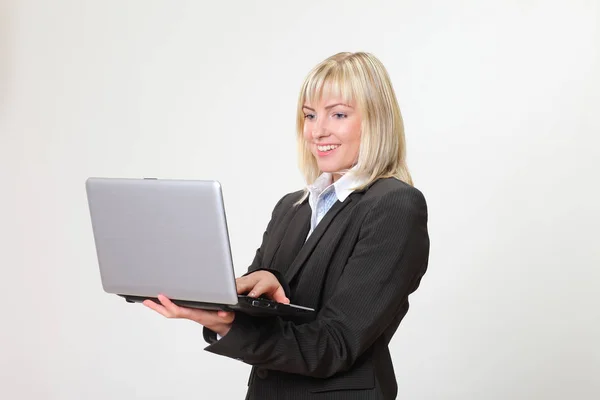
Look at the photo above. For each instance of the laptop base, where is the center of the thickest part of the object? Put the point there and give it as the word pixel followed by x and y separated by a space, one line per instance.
pixel 259 307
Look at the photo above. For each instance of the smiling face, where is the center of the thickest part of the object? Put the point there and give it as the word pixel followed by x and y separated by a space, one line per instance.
pixel 347 116
pixel 332 129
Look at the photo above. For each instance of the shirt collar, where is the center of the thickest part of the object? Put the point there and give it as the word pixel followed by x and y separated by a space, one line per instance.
pixel 343 187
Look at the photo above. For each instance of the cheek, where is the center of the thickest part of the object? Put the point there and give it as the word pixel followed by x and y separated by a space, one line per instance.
pixel 306 132
pixel 357 130
pixel 352 134
pixel 353 137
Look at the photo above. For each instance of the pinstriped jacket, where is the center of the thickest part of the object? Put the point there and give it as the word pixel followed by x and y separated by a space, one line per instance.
pixel 357 269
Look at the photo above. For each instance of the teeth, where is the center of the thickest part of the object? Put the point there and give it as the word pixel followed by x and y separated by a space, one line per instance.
pixel 327 148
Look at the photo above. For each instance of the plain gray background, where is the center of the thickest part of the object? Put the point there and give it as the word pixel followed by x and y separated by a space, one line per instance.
pixel 500 100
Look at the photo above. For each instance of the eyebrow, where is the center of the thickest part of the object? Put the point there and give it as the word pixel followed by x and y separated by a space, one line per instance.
pixel 329 106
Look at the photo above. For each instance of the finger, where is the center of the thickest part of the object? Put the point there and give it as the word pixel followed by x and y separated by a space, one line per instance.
pixel 279 296
pixel 255 290
pixel 206 317
pixel 245 284
pixel 173 309
pixel 156 307
pixel 263 286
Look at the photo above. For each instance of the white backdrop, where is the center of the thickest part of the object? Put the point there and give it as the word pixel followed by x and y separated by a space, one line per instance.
pixel 501 102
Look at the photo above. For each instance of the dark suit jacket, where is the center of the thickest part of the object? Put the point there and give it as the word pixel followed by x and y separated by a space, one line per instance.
pixel 357 269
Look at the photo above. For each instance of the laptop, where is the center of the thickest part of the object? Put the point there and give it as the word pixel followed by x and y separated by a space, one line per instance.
pixel 169 236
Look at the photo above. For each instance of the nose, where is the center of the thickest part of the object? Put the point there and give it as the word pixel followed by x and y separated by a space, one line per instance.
pixel 319 130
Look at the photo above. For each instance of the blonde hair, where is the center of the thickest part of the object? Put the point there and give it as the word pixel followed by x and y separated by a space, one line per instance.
pixel 362 78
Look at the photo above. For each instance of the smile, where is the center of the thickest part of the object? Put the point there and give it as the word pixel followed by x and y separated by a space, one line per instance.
pixel 328 147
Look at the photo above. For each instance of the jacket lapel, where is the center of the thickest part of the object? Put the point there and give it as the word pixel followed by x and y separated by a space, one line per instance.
pixel 292 238
pixel 314 238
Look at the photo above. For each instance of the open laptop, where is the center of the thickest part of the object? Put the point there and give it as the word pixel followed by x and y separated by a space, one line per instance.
pixel 169 236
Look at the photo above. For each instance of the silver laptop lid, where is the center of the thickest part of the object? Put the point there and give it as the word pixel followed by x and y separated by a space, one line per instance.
pixel 162 236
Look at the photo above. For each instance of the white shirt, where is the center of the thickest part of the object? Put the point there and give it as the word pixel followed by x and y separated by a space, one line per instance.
pixel 323 194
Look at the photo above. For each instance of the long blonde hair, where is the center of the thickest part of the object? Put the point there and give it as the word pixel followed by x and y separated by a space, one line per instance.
pixel 363 78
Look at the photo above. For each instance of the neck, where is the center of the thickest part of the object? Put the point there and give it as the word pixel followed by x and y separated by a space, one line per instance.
pixel 335 176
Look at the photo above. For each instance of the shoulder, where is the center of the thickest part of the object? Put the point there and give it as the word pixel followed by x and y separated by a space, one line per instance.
pixel 389 210
pixel 392 189
pixel 389 198
pixel 287 202
pixel 289 199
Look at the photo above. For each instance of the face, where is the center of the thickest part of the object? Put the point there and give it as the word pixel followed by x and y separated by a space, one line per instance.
pixel 332 131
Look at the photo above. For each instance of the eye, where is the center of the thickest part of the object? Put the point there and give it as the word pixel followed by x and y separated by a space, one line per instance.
pixel 309 117
pixel 339 115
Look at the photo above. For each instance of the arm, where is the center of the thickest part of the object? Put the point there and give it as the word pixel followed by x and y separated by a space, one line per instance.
pixel 387 263
pixel 258 257
pixel 211 336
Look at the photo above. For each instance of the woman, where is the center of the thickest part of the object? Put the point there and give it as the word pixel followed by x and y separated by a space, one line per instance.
pixel 353 245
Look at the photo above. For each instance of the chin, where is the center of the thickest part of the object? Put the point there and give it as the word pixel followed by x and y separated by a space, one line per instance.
pixel 326 168
pixel 332 166
pixel 330 169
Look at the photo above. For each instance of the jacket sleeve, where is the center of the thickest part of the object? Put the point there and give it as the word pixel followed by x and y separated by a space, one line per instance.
pixel 257 263
pixel 258 256
pixel 386 265
pixel 211 336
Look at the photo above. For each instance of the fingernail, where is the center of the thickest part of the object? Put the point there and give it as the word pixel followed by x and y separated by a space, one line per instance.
pixel 252 294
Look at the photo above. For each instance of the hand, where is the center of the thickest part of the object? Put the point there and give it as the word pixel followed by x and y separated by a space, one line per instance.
pixel 259 283
pixel 216 321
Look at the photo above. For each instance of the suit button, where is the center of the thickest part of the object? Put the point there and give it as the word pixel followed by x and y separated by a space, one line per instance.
pixel 262 373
